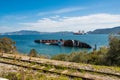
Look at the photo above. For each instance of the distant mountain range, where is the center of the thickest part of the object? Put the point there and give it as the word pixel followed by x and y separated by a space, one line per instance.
pixel 97 31
pixel 22 32
pixel 29 32
pixel 114 30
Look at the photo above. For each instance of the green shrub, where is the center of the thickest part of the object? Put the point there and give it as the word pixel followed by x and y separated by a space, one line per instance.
pixel 7 45
pixel 62 57
pixel 43 56
pixel 11 76
pixel 77 57
pixel 95 57
pixel 113 57
pixel 33 53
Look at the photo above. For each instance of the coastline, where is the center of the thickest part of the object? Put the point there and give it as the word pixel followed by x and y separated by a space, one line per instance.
pixel 25 43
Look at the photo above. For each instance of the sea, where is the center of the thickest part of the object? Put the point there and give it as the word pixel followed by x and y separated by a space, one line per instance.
pixel 25 43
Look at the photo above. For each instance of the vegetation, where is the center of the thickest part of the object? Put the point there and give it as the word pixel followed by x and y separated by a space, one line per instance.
pixel 33 53
pixel 95 57
pixel 62 57
pixel 103 56
pixel 36 76
pixel 113 56
pixel 7 45
pixel 64 67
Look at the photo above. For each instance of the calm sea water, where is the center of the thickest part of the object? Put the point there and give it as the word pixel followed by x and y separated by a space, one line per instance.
pixel 25 43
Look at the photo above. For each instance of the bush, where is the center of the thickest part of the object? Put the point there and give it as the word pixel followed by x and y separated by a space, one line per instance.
pixel 113 57
pixel 11 76
pixel 7 45
pixel 77 57
pixel 95 57
pixel 43 56
pixel 98 57
pixel 33 53
pixel 62 57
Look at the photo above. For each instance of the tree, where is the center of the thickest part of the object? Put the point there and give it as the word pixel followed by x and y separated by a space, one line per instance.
pixel 33 53
pixel 7 45
pixel 113 57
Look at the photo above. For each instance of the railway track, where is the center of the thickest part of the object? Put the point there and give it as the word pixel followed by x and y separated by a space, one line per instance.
pixel 55 69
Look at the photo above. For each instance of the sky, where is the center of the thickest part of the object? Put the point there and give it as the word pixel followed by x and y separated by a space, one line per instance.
pixel 58 15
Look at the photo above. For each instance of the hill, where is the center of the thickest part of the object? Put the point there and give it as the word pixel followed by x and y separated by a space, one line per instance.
pixel 22 32
pixel 29 32
pixel 114 30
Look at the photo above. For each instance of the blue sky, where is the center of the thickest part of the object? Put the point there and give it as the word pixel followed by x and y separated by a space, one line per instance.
pixel 58 15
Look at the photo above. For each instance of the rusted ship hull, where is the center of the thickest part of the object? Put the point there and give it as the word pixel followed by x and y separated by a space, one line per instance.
pixel 68 43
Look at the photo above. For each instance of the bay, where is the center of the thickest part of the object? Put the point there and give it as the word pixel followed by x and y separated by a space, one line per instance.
pixel 25 43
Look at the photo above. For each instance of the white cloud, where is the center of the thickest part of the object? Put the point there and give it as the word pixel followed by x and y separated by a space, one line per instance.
pixel 89 22
pixel 59 11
